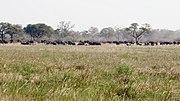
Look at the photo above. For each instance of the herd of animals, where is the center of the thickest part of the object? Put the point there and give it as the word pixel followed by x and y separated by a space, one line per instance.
pixel 87 43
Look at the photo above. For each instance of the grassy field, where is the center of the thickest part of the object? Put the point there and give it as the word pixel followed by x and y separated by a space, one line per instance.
pixel 89 73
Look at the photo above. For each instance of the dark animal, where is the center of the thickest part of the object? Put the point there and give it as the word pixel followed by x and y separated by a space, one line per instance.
pixel 3 42
pixel 27 43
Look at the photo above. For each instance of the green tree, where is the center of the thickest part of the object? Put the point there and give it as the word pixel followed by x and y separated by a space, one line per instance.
pixel 14 30
pixel 37 31
pixel 4 28
pixel 137 31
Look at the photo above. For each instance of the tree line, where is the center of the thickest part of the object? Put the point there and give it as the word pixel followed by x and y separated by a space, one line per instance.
pixel 136 33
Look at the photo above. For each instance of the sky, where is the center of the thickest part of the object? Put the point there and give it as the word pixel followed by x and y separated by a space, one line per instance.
pixel 160 14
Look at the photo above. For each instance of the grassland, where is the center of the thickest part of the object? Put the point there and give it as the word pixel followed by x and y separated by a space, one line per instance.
pixel 86 73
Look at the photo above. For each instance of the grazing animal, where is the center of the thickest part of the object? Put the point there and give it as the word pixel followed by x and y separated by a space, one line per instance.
pixel 26 43
pixel 3 42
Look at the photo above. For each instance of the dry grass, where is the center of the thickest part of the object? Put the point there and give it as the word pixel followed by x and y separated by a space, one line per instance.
pixel 89 73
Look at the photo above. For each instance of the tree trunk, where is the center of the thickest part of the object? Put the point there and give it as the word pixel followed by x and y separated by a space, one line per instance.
pixel 11 41
pixel 119 37
pixel 32 38
pixel 136 41
pixel 2 37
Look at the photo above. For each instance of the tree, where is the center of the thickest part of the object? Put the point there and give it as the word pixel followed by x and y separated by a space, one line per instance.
pixel 107 33
pixel 39 30
pixel 119 33
pixel 64 28
pixel 4 28
pixel 122 35
pixel 14 30
pixel 137 32
pixel 85 35
pixel 93 33
pixel 93 30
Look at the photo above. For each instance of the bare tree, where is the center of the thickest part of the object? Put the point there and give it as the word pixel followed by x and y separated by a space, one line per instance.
pixel 137 32
pixel 64 28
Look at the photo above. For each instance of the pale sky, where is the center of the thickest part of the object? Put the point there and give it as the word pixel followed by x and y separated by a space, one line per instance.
pixel 164 14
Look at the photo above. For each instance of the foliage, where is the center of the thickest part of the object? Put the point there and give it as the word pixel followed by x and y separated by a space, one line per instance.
pixel 14 30
pixel 65 32
pixel 107 33
pixel 137 32
pixel 38 30
pixel 4 28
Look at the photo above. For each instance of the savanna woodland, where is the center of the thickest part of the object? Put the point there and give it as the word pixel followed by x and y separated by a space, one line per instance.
pixel 136 63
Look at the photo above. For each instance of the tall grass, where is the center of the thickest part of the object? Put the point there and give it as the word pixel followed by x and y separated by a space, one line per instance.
pixel 89 73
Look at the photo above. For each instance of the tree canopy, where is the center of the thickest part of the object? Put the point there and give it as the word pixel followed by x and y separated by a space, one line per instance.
pixel 4 28
pixel 39 30
pixel 137 31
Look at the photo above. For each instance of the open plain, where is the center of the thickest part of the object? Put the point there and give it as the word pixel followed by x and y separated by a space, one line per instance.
pixel 89 73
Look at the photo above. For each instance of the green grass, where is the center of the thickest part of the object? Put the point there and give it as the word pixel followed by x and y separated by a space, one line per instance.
pixel 98 73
